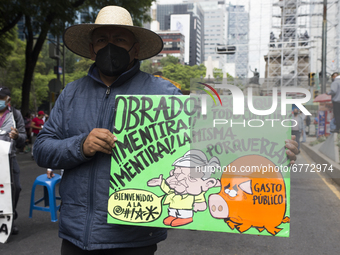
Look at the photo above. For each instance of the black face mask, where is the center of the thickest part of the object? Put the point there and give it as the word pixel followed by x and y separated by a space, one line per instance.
pixel 295 113
pixel 113 60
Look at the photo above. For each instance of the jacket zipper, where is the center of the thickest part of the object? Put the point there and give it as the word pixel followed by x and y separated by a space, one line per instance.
pixel 108 92
pixel 90 211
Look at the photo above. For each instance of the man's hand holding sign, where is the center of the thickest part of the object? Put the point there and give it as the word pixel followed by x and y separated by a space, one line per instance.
pixel 99 139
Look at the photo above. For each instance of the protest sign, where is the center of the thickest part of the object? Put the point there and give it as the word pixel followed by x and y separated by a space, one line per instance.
pixel 6 211
pixel 174 167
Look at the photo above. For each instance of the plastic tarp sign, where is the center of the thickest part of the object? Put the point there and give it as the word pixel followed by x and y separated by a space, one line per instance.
pixel 6 211
pixel 174 167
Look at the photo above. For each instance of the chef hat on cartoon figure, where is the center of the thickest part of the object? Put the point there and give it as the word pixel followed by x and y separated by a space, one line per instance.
pixel 198 160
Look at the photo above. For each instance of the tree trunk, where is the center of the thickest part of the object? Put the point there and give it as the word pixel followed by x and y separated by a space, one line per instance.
pixel 32 55
pixel 26 85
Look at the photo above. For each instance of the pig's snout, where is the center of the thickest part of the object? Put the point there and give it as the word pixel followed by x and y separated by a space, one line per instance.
pixel 218 207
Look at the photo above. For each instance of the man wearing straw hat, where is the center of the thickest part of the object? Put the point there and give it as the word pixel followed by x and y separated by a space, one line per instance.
pixel 78 136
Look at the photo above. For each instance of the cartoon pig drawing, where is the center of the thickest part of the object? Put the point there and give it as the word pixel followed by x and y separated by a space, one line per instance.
pixel 251 199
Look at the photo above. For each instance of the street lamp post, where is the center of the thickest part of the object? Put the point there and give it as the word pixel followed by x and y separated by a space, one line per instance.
pixel 55 84
pixel 56 43
pixel 324 47
pixel 58 58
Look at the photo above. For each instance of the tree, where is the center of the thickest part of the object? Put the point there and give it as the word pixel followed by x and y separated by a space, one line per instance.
pixel 42 17
pixel 7 45
pixel 148 67
pixel 169 60
pixel 12 74
pixel 218 74
pixel 70 60
pixel 80 70
pixel 44 57
pixel 183 73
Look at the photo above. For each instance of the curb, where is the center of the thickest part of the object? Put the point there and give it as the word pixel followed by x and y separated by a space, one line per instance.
pixel 320 158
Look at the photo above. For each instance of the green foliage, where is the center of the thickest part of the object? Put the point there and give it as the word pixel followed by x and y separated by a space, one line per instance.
pixel 148 67
pixel 218 72
pixel 183 73
pixel 7 45
pixel 229 77
pixel 70 60
pixel 231 80
pixel 320 139
pixel 40 89
pixel 12 73
pixel 81 69
pixel 48 63
pixel 16 97
pixel 83 65
pixel 12 77
pixel 169 60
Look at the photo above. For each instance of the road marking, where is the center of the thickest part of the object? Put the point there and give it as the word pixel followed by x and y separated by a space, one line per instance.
pixel 330 185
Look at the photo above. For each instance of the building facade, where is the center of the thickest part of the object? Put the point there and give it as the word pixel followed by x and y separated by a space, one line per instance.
pixel 188 19
pixel 215 16
pixel 174 43
pixel 238 35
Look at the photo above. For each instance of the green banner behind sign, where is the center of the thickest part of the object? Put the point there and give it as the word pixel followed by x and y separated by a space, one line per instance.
pixel 178 168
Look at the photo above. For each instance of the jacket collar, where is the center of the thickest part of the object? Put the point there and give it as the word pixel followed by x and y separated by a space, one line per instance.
pixel 94 74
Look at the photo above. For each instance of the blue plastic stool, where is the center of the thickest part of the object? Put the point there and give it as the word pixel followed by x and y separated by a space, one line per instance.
pixel 49 195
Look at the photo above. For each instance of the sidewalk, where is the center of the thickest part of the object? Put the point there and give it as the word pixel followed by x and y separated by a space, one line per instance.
pixel 314 229
pixel 319 158
pixel 37 235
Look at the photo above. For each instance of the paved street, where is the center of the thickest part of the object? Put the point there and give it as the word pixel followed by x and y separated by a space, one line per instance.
pixel 315 224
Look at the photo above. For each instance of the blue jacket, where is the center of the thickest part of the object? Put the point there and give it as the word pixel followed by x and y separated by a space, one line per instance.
pixel 83 105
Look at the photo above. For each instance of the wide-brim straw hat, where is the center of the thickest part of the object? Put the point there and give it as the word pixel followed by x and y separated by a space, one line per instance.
pixel 78 37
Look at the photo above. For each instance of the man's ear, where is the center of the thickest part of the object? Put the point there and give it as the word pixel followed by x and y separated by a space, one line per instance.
pixel 93 56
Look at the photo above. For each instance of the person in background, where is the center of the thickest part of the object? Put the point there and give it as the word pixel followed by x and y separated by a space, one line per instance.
pixel 308 122
pixel 303 117
pixel 334 75
pixel 12 123
pixel 28 122
pixel 335 93
pixel 297 129
pixel 37 125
